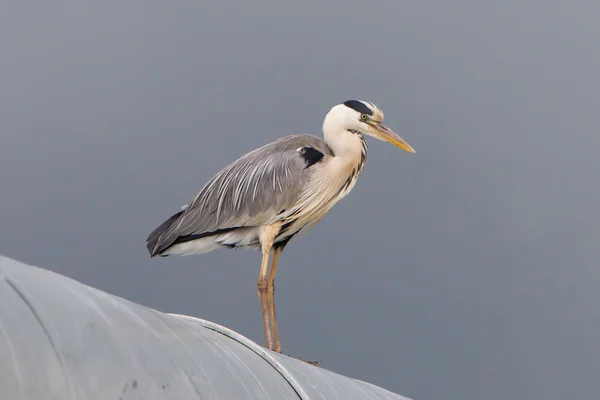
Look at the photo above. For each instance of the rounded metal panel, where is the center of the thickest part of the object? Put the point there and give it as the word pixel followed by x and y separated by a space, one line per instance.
pixel 60 339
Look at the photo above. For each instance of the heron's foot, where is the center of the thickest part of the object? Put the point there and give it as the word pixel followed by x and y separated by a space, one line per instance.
pixel 315 363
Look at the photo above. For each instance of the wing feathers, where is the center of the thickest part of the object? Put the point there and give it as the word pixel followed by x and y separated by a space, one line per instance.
pixel 250 191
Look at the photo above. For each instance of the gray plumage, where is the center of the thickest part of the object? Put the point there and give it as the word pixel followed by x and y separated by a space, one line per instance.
pixel 257 189
pixel 268 195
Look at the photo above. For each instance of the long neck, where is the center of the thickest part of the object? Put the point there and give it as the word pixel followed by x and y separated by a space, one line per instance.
pixel 348 146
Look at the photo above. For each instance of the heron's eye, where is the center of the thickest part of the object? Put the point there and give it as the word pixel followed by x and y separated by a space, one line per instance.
pixel 363 117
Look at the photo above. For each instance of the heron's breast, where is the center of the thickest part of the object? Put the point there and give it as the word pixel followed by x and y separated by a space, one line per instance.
pixel 328 185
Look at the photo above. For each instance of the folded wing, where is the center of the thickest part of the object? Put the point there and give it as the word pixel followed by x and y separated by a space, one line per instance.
pixel 252 191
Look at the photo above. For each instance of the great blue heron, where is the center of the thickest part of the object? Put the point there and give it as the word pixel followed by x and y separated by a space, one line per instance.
pixel 265 197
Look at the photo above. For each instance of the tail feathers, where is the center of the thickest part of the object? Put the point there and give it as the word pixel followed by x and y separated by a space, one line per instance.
pixel 153 238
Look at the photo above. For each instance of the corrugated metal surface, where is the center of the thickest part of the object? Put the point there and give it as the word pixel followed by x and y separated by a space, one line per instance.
pixel 60 339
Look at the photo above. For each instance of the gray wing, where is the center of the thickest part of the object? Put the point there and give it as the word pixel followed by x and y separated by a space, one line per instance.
pixel 251 191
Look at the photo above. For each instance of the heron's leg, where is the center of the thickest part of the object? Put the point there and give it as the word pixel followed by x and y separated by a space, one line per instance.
pixel 267 237
pixel 273 270
pixel 271 297
pixel 264 305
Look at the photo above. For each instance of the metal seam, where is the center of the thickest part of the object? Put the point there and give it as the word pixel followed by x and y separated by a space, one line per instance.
pixel 59 358
pixel 260 351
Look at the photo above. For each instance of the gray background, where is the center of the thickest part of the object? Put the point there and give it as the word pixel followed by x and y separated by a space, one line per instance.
pixel 466 271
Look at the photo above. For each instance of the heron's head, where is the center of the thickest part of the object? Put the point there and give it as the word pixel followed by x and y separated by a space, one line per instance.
pixel 366 118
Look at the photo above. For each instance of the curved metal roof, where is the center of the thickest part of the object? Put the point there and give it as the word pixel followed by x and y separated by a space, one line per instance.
pixel 60 339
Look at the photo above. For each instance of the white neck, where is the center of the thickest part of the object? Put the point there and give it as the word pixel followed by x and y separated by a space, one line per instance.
pixel 343 143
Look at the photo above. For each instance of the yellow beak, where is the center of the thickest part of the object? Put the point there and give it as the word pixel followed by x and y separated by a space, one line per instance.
pixel 382 132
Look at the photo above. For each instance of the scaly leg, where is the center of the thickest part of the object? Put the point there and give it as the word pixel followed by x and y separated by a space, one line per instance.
pixel 271 298
pixel 264 305
pixel 267 237
pixel 270 284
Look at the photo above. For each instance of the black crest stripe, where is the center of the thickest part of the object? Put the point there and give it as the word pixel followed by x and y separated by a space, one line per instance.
pixel 358 106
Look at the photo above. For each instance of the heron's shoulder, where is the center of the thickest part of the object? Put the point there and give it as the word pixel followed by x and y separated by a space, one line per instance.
pixel 297 141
